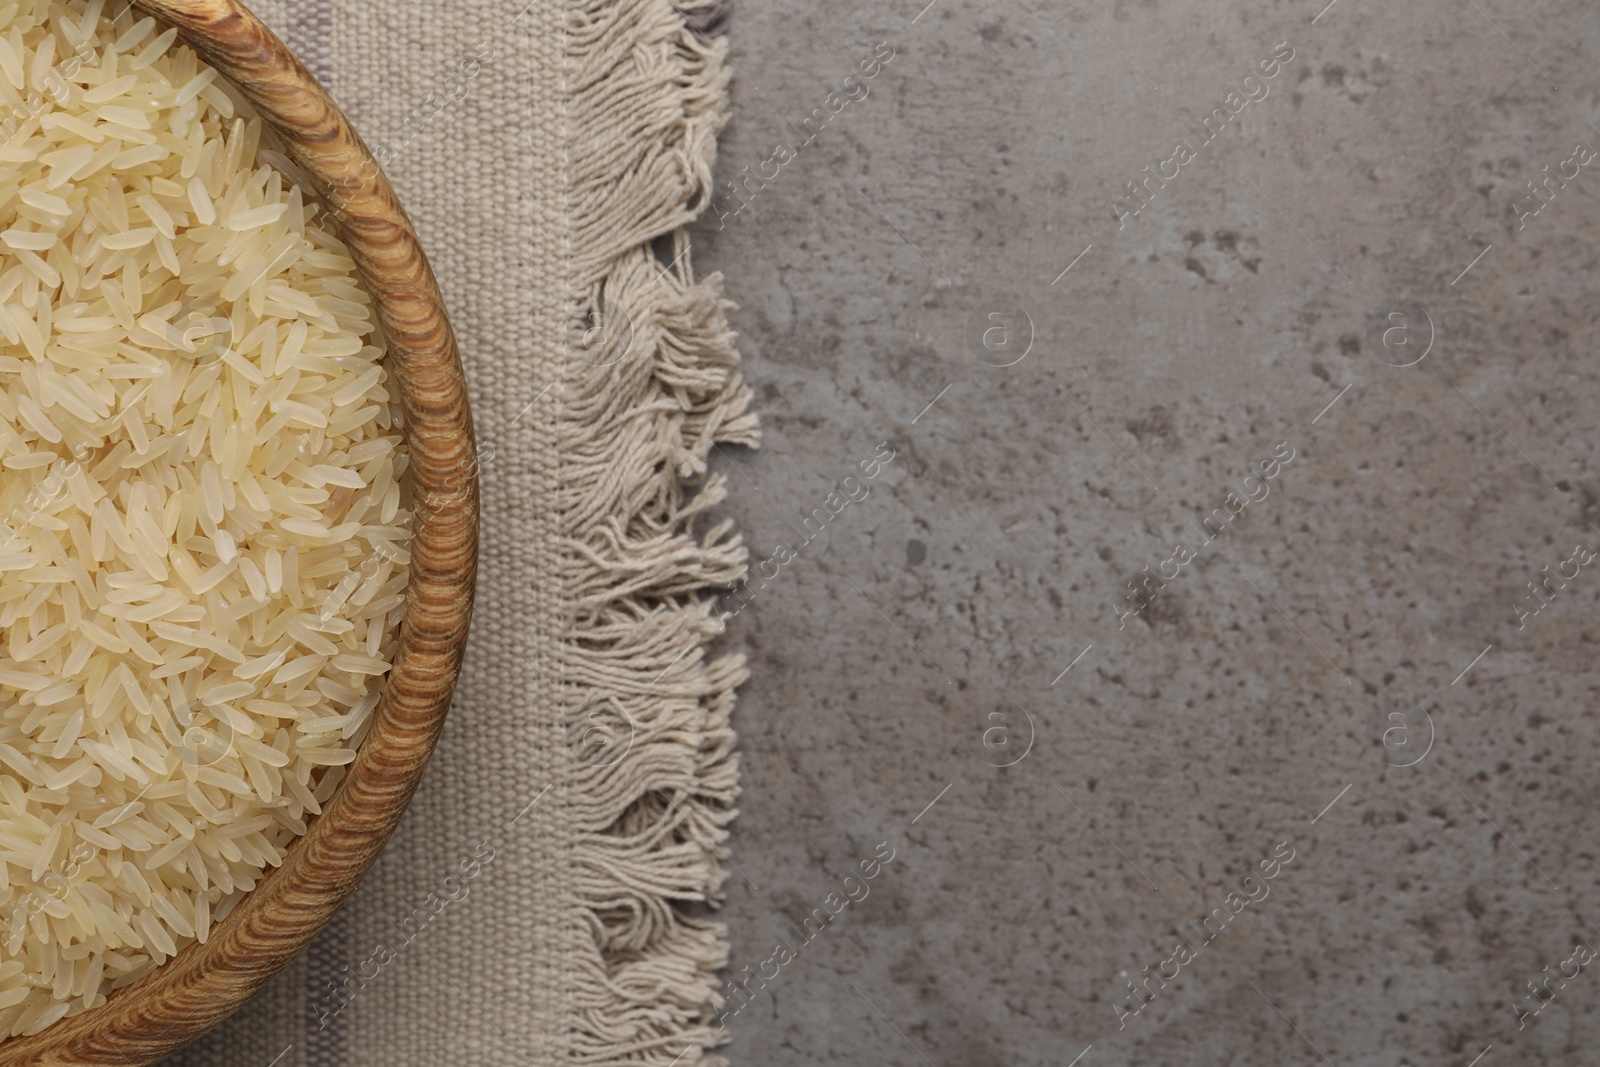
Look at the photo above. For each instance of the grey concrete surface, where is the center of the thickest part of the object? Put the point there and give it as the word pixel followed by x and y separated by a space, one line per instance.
pixel 1351 672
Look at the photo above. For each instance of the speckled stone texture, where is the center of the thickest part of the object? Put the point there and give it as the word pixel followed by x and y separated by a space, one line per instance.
pixel 1352 668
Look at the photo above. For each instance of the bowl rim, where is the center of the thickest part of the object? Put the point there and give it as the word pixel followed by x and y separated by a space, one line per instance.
pixel 192 992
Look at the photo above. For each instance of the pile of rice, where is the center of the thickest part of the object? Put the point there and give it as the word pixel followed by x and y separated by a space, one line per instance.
pixel 202 545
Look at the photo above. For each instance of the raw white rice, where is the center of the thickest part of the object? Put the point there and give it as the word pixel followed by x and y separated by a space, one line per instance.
pixel 202 539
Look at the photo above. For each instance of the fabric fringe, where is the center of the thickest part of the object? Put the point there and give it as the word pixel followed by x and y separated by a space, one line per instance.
pixel 653 387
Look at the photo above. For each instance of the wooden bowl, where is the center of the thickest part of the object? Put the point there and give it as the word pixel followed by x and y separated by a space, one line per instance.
pixel 203 984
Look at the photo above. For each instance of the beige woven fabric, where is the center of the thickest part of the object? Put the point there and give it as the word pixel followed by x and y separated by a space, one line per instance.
pixel 525 912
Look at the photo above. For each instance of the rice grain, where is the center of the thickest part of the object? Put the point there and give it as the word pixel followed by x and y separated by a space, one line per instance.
pixel 203 540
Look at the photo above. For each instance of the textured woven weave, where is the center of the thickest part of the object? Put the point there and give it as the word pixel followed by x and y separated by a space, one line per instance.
pixel 526 910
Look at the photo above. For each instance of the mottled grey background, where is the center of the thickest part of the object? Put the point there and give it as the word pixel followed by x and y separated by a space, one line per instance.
pixel 1175 354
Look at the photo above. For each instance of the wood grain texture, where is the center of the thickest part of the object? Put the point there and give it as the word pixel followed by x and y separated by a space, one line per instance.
pixel 204 984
